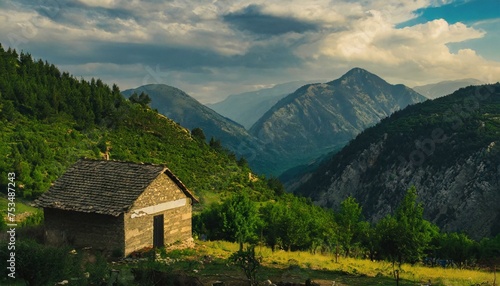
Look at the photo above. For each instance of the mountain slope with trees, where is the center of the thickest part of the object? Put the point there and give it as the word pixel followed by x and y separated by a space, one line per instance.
pixel 320 118
pixel 51 119
pixel 191 114
pixel 448 148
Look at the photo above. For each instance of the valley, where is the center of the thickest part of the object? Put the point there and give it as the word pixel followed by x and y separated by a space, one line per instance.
pixel 378 173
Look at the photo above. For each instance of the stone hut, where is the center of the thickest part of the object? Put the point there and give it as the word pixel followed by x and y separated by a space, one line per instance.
pixel 117 206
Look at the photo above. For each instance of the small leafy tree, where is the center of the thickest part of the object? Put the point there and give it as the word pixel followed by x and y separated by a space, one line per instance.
pixel 455 246
pixel 209 223
pixel 349 221
pixel 387 232
pixel 405 235
pixel 272 215
pixel 414 233
pixel 369 238
pixel 489 252
pixel 240 218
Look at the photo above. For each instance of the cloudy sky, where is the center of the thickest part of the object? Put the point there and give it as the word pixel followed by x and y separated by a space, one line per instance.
pixel 214 48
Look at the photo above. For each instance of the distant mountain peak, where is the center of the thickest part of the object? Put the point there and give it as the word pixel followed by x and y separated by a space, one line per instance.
pixel 444 88
pixel 357 70
pixel 356 75
pixel 319 118
pixel 246 108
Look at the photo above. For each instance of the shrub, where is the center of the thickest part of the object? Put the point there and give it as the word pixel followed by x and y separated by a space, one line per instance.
pixel 42 265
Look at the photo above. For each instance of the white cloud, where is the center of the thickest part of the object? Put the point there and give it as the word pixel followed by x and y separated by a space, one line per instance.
pixel 421 50
pixel 346 34
pixel 99 3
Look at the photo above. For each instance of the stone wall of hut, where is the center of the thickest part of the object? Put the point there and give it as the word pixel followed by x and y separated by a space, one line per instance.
pixel 79 229
pixel 163 196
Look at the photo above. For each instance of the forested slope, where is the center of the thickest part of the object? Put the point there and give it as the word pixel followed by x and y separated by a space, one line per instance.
pixel 50 119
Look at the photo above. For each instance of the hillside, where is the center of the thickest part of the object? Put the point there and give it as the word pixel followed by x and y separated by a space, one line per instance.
pixel 448 148
pixel 189 113
pixel 50 119
pixel 443 88
pixel 246 108
pixel 320 118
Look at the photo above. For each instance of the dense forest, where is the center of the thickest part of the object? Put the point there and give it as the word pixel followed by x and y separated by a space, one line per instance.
pixel 50 119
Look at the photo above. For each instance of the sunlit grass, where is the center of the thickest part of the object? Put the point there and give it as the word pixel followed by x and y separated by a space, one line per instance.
pixel 417 273
pixel 21 209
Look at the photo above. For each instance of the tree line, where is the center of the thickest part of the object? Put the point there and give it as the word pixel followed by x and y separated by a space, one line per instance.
pixel 295 223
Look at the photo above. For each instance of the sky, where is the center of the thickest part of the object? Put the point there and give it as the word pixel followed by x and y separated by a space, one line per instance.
pixel 211 49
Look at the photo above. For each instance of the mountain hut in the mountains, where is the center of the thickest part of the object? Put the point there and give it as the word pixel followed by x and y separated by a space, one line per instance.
pixel 117 206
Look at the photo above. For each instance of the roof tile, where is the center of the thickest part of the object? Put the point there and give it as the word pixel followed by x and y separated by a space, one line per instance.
pixel 104 187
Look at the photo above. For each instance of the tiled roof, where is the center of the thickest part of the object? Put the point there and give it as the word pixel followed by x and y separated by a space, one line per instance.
pixel 103 187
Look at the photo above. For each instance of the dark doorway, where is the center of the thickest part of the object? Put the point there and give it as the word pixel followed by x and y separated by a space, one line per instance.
pixel 158 231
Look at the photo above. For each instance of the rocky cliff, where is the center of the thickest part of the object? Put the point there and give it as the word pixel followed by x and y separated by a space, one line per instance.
pixel 449 148
pixel 319 118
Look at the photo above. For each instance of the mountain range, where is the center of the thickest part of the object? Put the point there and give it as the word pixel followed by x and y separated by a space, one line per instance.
pixel 320 118
pixel 443 88
pixel 246 108
pixel 448 148
pixel 313 121
pixel 190 113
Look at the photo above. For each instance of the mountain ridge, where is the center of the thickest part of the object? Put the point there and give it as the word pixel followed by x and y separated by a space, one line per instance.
pixel 448 148
pixel 319 118
pixel 246 108
pixel 444 88
pixel 188 112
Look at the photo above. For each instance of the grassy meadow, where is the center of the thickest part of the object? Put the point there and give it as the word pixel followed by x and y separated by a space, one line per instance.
pixel 298 266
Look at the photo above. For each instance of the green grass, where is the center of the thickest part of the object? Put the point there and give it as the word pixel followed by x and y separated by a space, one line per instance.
pixel 21 206
pixel 299 266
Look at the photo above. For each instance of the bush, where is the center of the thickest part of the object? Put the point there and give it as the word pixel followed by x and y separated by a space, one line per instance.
pixel 151 272
pixel 98 270
pixel 41 265
pixel 37 264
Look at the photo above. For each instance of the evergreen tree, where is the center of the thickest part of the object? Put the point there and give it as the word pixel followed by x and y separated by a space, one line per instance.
pixel 198 134
pixel 275 184
pixel 143 99
pixel 215 144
